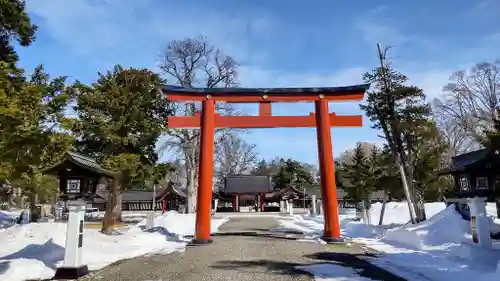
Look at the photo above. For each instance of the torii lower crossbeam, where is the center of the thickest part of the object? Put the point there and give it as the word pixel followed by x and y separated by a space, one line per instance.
pixel 321 119
pixel 255 122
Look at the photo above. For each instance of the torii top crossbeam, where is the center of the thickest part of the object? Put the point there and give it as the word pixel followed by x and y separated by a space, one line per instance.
pixel 265 96
pixel 253 95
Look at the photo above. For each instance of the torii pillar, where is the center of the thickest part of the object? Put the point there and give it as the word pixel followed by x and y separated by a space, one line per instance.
pixel 331 233
pixel 205 172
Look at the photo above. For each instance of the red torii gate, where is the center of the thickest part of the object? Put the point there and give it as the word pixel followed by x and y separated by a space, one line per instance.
pixel 321 119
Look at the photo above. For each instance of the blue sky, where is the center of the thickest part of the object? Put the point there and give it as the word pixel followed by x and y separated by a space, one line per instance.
pixel 278 44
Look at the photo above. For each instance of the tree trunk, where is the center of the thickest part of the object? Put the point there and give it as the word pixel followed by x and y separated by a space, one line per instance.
pixel 113 213
pixel 419 205
pixel 382 211
pixel 33 217
pixel 416 192
pixel 191 190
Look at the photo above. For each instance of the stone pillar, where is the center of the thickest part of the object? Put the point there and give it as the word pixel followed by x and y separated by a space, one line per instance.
pixel 216 205
pixel 479 221
pixel 72 267
pixel 290 205
pixel 313 205
pixel 282 206
pixel 150 220
pixel 321 211
pixel 236 203
pixel 25 216
pixel 259 203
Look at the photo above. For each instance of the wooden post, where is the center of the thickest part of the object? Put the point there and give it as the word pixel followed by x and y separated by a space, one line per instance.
pixel 331 232
pixel 205 172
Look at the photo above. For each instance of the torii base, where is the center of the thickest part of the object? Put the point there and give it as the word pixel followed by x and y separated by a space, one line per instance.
pixel 333 240
pixel 71 273
pixel 200 242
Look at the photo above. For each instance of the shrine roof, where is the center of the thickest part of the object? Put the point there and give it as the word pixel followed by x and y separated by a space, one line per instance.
pixel 83 161
pixel 247 184
pixel 143 195
pixel 461 162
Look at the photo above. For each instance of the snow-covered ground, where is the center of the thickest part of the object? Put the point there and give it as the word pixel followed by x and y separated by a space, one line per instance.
pixel 7 218
pixel 35 250
pixel 440 248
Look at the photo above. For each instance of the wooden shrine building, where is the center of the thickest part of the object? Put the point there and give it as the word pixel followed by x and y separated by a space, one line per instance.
pixel 82 178
pixel 79 176
pixel 476 173
pixel 247 191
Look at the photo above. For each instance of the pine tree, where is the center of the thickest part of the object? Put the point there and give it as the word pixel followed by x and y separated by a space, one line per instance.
pixel 15 25
pixel 293 173
pixel 31 112
pixel 359 175
pixel 120 119
pixel 394 107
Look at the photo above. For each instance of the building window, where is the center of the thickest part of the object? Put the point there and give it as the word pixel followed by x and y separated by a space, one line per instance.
pixel 464 183
pixel 482 183
pixel 73 186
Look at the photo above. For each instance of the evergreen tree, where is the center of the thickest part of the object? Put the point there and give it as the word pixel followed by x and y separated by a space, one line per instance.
pixel 427 151
pixel 262 169
pixel 120 119
pixel 492 142
pixel 31 108
pixel 358 175
pixel 493 136
pixel 31 111
pixel 292 173
pixel 15 25
pixel 395 107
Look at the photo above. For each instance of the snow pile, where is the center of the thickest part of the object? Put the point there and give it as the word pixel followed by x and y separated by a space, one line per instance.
pixel 440 248
pixel 398 213
pixel 446 226
pixel 35 250
pixel 6 219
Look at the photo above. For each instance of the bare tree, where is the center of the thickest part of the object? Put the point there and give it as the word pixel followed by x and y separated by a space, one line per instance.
pixel 233 155
pixel 194 62
pixel 455 136
pixel 471 99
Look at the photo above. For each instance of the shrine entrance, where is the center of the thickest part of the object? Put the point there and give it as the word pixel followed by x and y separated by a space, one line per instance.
pixel 321 119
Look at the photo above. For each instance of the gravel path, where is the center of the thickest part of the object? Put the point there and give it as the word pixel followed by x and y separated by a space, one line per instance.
pixel 245 250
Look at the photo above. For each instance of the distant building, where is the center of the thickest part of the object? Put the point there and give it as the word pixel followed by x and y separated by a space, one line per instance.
pixel 82 178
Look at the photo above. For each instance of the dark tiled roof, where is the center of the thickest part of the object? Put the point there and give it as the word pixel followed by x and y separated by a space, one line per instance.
pixel 275 91
pixel 241 184
pixel 460 162
pixel 82 161
pixel 137 195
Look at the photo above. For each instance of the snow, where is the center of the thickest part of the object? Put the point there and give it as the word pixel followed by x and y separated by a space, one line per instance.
pixel 7 218
pixel 440 248
pixel 35 250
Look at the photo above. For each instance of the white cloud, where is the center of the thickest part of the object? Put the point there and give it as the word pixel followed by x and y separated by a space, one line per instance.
pixel 137 28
